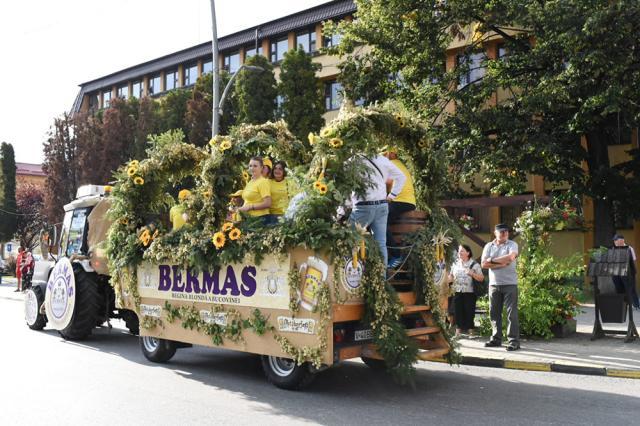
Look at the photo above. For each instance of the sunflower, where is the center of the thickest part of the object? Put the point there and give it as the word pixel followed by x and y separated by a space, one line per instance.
pixel 206 193
pixel 218 240
pixel 124 221
pixel 398 118
pixel 317 184
pixel 312 138
pixel 183 194
pixel 145 237
pixel 134 163
pixel 322 189
pixel 138 180
pixel 132 170
pixel 422 143
pixel 155 234
pixel 326 132
pixel 245 175
pixel 336 142
pixel 225 144
pixel 212 142
pixel 234 234
pixel 227 226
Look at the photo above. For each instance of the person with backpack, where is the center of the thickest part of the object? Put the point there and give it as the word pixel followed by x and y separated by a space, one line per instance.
pixel 465 272
pixel 621 282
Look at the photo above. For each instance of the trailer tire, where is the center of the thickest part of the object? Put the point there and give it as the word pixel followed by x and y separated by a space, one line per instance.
pixel 157 350
pixel 284 373
pixel 33 300
pixel 131 321
pixel 87 305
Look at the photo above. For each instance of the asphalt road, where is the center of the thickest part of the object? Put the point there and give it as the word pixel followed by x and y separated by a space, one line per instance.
pixel 106 380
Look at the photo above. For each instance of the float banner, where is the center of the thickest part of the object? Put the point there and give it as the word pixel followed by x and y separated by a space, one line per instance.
pixel 260 286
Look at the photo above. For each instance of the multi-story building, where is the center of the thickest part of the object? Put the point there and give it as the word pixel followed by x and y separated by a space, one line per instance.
pixel 272 39
pixel 27 173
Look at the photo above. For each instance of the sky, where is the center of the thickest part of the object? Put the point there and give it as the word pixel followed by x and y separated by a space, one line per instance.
pixel 48 48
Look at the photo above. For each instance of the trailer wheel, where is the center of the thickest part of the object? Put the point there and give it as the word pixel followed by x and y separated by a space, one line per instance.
pixel 87 305
pixel 286 374
pixel 157 350
pixel 33 300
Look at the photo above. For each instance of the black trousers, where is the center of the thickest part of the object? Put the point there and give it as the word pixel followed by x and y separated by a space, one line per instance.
pixel 395 211
pixel 464 310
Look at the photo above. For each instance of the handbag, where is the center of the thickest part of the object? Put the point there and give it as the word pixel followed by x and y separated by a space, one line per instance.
pixel 479 287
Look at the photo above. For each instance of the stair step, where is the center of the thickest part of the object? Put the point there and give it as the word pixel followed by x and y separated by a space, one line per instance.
pixel 420 331
pixel 432 354
pixel 409 309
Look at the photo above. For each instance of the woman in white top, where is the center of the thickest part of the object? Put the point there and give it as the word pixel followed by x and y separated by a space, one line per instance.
pixel 463 272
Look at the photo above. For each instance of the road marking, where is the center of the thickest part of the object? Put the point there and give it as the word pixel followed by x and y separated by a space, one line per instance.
pixel 524 365
pixel 628 374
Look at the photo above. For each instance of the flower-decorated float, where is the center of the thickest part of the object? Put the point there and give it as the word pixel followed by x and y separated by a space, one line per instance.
pixel 305 293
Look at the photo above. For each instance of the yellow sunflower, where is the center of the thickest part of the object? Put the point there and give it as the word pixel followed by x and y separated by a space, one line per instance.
pixel 218 240
pixel 422 143
pixel 225 144
pixel 227 226
pixel 206 193
pixel 245 175
pixel 183 194
pixel 138 180
pixel 336 142
pixel 312 138
pixel 234 234
pixel 134 163
pixel 326 132
pixel 145 237
pixel 317 184
pixel 131 171
pixel 124 221
pixel 322 189
pixel 212 142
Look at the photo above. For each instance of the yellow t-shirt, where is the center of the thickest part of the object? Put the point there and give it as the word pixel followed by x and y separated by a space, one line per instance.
pixel 254 193
pixel 279 196
pixel 408 193
pixel 175 215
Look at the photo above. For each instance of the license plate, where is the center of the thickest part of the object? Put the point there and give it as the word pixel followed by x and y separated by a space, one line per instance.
pixel 363 335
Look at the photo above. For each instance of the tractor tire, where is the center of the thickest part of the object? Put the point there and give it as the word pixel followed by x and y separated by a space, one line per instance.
pixel 87 306
pixel 33 300
pixel 131 321
pixel 284 373
pixel 157 350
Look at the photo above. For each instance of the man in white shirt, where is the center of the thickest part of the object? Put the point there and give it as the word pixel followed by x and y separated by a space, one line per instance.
pixel 372 209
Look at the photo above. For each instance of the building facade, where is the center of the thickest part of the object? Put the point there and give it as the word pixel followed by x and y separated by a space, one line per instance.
pixel 27 173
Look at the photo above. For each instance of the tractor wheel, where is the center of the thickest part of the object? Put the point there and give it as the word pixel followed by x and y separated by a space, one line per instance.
pixel 33 300
pixel 286 374
pixel 87 305
pixel 131 321
pixel 157 350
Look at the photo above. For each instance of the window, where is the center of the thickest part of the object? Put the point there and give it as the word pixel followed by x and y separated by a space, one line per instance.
pixel 331 41
pixel 106 99
pixel 123 91
pixel 251 51
pixel 170 79
pixel 94 102
pixel 207 67
pixel 190 74
pixel 476 68
pixel 332 95
pixel 278 48
pixel 232 62
pixel 77 239
pixel 502 52
pixel 154 85
pixel 136 89
pixel 307 40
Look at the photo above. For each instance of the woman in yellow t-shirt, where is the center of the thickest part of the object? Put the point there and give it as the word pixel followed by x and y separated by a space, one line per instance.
pixel 257 193
pixel 279 191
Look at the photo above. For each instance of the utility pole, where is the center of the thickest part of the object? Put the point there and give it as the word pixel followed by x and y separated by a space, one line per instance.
pixel 215 123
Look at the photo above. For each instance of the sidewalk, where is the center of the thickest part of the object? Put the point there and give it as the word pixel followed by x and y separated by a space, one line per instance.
pixel 608 356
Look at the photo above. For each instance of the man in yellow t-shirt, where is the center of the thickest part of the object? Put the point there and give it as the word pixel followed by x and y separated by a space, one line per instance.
pixel 404 202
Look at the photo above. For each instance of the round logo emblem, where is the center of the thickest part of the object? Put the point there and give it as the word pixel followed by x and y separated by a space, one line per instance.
pixel 352 276
pixel 60 295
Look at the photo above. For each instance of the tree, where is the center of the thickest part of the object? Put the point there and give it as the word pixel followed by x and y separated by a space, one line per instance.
pixel 200 109
pixel 31 218
pixel 8 196
pixel 62 167
pixel 570 70
pixel 173 108
pixel 257 92
pixel 301 91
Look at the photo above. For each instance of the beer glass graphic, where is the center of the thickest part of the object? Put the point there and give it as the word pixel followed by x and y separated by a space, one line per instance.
pixel 315 273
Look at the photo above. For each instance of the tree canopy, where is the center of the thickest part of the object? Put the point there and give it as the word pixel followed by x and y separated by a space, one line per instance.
pixel 8 196
pixel 256 92
pixel 535 87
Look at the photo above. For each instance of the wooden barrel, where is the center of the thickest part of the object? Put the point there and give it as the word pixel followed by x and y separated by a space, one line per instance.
pixel 407 223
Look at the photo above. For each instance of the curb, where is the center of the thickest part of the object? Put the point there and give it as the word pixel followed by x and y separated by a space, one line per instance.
pixel 550 367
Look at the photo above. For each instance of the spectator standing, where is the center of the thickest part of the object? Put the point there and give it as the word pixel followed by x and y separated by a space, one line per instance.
pixel 630 280
pixel 463 272
pixel 372 209
pixel 19 260
pixel 499 256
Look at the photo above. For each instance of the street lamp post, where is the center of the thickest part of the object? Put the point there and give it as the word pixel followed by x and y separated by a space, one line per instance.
pixel 215 123
pixel 232 79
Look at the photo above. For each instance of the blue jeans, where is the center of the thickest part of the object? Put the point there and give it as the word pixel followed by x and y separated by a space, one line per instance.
pixel 374 217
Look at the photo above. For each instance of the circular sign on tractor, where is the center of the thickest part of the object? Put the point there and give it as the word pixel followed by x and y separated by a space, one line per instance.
pixel 60 296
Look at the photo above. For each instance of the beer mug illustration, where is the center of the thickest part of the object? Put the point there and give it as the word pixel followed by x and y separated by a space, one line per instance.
pixel 314 273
